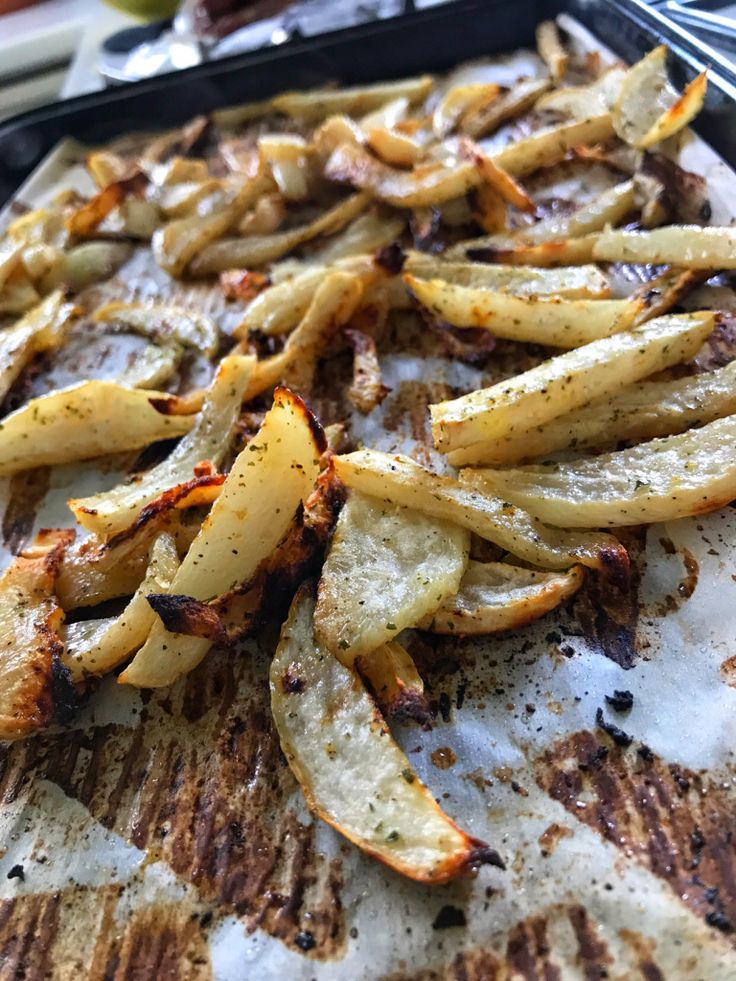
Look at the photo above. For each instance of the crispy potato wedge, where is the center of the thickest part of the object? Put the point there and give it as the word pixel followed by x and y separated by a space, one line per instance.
pixel 567 381
pixel 395 683
pixel 483 119
pixel 661 480
pixel 356 101
pixel 35 688
pixel 256 250
pixel 608 208
pixel 93 572
pixel 91 419
pixel 549 146
pixel 367 391
pixel 647 109
pixel 279 308
pixel 427 184
pixel 176 243
pixel 399 480
pixel 459 100
pixel 497 178
pixel 189 328
pixel 687 246
pixel 368 233
pixel 570 283
pixel 666 291
pixel 495 596
pixel 638 412
pixel 41 329
pixel 332 306
pixel 200 451
pixel 407 564
pixel 584 101
pixel 550 50
pixel 268 481
pixel 352 773
pixel 114 640
pixel 490 211
pixel 535 319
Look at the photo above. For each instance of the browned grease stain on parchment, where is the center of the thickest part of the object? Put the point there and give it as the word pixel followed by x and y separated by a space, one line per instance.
pixel 78 931
pixel 677 823
pixel 529 955
pixel 27 492
pixel 201 785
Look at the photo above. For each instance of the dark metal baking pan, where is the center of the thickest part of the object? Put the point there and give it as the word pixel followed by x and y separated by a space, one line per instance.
pixel 427 40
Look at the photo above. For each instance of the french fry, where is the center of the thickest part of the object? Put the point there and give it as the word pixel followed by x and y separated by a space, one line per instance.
pixel 34 685
pixel 583 101
pixel 398 480
pixel 661 480
pixel 428 184
pixel 316 105
pixel 566 252
pixel 352 773
pixel 571 282
pixel 188 327
pixel 86 219
pixel 269 479
pixel 638 412
pixel 490 210
pixel 407 563
pixel 497 178
pixel 332 305
pixel 535 319
pixel 113 641
pixel 457 101
pixel 549 47
pixel 41 329
pixel 367 233
pixel 397 687
pixel 256 250
pixel 687 246
pixel 286 155
pixel 549 146
pixel 495 596
pixel 666 291
pixel 395 149
pixel 200 451
pixel 647 109
pixel 84 264
pixel 91 419
pixel 567 381
pixel 483 119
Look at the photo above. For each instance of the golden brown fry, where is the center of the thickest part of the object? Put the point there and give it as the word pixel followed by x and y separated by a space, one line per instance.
pixel 397 687
pixel 484 119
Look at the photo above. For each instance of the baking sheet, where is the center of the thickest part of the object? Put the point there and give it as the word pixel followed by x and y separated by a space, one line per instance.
pixel 163 836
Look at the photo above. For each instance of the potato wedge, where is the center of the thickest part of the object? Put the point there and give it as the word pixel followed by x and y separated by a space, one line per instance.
pixel 583 101
pixel 550 50
pixel 428 184
pixel 189 328
pixel 407 564
pixel 608 208
pixel 570 283
pixel 91 419
pixel 257 250
pixel 177 242
pixel 85 219
pixel 496 177
pixel 109 645
pixel 483 119
pixel 286 156
pixel 399 480
pixel 200 451
pixel 549 146
pixel 268 481
pixel 35 688
pixel 459 100
pixel 647 109
pixel 87 263
pixel 352 773
pixel 661 480
pixel 535 319
pixel 395 149
pixel 356 101
pixel 395 683
pixel 566 252
pixel 637 412
pixel 495 596
pixel 687 246
pixel 367 391
pixel 332 305
pixel 567 381
pixel 41 329
pixel 368 233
